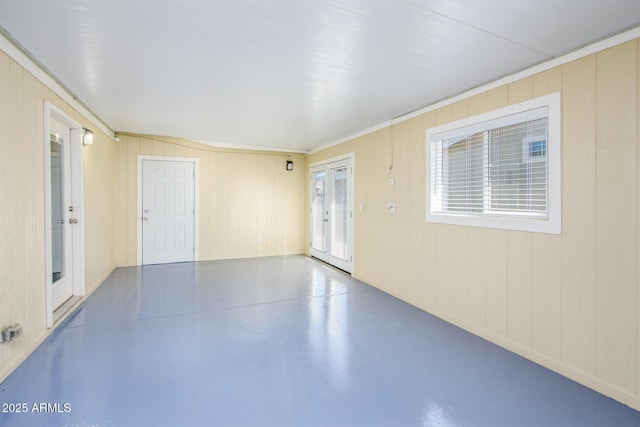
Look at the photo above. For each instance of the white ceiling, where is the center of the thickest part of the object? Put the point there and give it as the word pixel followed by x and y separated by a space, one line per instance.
pixel 292 74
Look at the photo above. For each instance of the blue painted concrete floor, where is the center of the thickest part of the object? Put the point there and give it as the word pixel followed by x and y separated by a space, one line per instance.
pixel 279 342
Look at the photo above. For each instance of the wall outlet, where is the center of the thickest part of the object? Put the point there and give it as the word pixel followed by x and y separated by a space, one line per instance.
pixel 10 332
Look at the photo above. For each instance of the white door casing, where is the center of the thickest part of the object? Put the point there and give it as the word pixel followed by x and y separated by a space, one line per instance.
pixel 64 220
pixel 331 211
pixel 167 210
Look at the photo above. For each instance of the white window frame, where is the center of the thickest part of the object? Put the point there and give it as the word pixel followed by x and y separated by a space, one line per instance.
pixel 552 222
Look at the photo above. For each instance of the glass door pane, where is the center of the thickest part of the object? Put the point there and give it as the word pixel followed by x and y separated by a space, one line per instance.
pixel 57 208
pixel 318 212
pixel 339 212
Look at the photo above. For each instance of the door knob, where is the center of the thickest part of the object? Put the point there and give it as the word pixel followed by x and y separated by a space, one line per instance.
pixel 145 218
pixel 73 221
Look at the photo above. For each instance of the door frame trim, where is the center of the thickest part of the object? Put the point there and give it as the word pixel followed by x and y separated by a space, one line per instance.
pixel 351 157
pixel 77 196
pixel 196 201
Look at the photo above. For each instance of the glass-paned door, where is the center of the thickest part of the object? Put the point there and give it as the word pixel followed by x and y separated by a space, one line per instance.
pixel 61 212
pixel 332 213
pixel 318 215
pixel 339 214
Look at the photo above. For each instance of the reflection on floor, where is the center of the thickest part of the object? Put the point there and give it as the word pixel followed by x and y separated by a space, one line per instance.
pixel 279 342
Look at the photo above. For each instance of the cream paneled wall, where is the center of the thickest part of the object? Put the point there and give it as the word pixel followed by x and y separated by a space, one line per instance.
pixel 22 199
pixel 569 301
pixel 243 195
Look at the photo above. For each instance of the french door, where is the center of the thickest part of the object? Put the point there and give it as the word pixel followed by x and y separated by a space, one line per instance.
pixel 331 212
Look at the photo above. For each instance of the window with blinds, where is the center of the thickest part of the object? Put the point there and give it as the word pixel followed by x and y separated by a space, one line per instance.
pixel 499 169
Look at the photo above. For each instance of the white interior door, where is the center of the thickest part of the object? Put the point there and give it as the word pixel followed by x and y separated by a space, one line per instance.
pixel 168 211
pixel 332 213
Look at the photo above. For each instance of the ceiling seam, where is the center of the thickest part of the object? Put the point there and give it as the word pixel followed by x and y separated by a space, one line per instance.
pixel 489 33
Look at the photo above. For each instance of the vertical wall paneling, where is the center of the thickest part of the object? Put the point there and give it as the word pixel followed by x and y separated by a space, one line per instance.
pixel 443 268
pixel 429 256
pixel 476 296
pixel 616 153
pixel 283 226
pixel 99 208
pixel 32 153
pixel 579 214
pixel 379 218
pixel 383 218
pixel 233 171
pixel 547 82
pixel 497 98
pixel 17 207
pixel 521 90
pixel 203 201
pixel 638 221
pixel 568 301
pixel 366 204
pixel 146 146
pixel 400 193
pixel 242 195
pixel 497 282
pixel 212 206
pixel 477 104
pixel 132 149
pixel 457 264
pixel 224 177
pixel 122 236
pixel 6 292
pixel 547 295
pixel 519 291
pixel 415 155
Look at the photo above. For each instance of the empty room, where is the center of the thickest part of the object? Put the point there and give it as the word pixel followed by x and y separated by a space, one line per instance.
pixel 320 213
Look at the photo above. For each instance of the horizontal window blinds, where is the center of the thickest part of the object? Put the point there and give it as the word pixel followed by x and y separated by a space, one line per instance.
pixel 493 168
